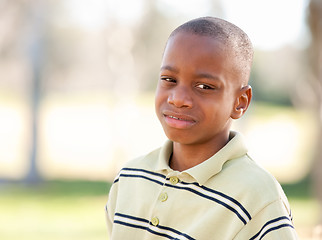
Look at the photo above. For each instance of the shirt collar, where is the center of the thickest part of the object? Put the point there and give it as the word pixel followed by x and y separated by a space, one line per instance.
pixel 202 172
pixel 164 157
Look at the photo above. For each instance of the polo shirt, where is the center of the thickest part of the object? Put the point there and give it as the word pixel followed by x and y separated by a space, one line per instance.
pixel 225 197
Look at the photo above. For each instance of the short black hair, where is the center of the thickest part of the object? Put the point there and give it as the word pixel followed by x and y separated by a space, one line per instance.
pixel 228 34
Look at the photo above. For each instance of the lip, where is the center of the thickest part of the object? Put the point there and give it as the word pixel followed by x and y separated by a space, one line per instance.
pixel 178 120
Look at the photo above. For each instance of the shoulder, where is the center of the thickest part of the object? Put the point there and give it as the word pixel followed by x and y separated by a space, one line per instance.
pixel 248 172
pixel 263 197
pixel 251 184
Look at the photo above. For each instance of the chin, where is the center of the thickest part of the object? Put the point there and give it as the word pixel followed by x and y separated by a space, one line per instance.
pixel 181 138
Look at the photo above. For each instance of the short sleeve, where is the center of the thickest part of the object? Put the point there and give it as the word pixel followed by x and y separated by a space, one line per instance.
pixel 110 208
pixel 273 222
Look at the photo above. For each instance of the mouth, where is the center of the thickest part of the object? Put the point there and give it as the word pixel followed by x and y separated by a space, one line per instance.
pixel 175 118
pixel 179 121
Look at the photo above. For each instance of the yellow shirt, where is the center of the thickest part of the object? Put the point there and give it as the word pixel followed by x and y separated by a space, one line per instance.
pixel 226 197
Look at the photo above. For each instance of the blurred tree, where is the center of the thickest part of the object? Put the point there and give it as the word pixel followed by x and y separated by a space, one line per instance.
pixel 12 34
pixel 315 54
pixel 20 43
pixel 23 40
pixel 150 37
pixel 274 74
pixel 36 58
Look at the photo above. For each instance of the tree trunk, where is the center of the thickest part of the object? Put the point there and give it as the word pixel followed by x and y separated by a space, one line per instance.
pixel 36 52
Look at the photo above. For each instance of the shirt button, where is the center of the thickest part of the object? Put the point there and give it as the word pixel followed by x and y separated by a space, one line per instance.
pixel 163 197
pixel 174 180
pixel 155 221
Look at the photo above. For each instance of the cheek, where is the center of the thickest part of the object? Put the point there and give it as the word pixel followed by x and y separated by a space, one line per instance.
pixel 157 100
pixel 160 98
pixel 160 95
pixel 216 111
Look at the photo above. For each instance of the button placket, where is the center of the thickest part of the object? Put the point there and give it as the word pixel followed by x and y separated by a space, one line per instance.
pixel 163 197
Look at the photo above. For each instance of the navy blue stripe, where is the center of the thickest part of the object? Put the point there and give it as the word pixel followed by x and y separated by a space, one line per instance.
pixel 231 199
pixel 212 199
pixel 191 190
pixel 140 176
pixel 148 229
pixel 273 228
pixel 291 216
pixel 130 224
pixel 158 233
pixel 139 170
pixel 146 171
pixel 224 196
pixel 132 217
pixel 143 228
pixel 176 231
pixel 116 180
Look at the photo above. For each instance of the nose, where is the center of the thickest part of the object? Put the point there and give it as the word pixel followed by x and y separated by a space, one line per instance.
pixel 180 97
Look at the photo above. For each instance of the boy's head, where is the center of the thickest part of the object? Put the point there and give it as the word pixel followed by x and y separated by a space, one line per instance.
pixel 203 81
pixel 231 36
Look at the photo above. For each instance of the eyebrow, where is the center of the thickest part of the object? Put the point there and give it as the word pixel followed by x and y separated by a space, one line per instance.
pixel 169 68
pixel 209 76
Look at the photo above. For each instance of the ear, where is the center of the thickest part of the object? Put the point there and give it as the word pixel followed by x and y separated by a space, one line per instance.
pixel 242 102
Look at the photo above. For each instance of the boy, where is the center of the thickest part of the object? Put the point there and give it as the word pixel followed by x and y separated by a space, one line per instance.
pixel 201 184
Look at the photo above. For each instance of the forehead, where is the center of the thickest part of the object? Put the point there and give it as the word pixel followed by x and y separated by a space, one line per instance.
pixel 197 52
pixel 197 44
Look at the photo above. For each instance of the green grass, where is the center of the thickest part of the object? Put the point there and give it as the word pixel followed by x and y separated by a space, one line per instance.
pixel 299 190
pixel 305 207
pixel 53 210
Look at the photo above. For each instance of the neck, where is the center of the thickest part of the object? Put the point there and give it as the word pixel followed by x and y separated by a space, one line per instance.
pixel 187 156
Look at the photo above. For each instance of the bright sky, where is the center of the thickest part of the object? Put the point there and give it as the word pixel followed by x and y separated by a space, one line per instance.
pixel 270 24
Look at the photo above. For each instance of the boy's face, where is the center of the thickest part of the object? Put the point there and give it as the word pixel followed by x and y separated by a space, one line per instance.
pixel 197 89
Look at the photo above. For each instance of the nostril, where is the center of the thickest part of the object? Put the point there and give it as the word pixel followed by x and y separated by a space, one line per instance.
pixel 180 100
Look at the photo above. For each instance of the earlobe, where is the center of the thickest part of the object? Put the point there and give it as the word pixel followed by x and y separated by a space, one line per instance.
pixel 242 102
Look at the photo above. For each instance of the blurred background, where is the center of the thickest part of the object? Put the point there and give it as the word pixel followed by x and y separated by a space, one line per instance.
pixel 77 81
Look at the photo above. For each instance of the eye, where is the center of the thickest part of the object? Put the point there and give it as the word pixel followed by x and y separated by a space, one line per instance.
pixel 168 79
pixel 205 87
